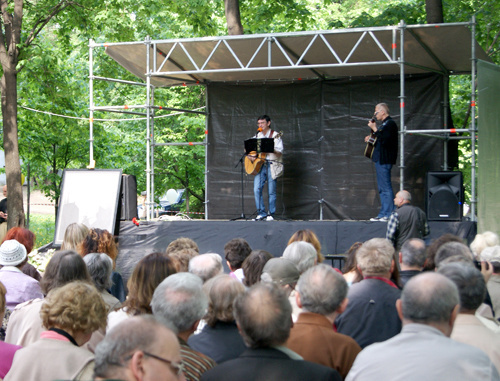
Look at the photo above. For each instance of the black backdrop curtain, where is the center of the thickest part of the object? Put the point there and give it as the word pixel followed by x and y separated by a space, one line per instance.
pixel 323 124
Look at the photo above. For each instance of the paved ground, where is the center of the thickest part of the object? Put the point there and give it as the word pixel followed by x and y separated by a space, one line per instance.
pixel 39 204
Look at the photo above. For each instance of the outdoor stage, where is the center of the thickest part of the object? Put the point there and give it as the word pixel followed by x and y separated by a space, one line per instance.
pixel 211 236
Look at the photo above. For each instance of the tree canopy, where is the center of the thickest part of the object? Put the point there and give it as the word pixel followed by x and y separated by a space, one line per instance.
pixel 47 64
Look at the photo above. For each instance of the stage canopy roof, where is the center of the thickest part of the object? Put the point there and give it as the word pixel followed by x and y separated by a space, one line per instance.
pixel 442 48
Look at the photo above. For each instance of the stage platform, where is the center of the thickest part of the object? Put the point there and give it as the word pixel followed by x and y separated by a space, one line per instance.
pixel 211 236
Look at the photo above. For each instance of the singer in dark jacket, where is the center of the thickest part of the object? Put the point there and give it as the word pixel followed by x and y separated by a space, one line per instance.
pixel 384 156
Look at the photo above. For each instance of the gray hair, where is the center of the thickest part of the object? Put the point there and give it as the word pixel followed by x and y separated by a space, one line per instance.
pixel 452 249
pixel 405 195
pixel 302 253
pixel 482 241
pixel 206 266
pixel 263 314
pixel 470 283
pixel 429 298
pixel 384 106
pixel 413 252
pixel 491 254
pixel 138 333
pixel 179 301
pixel 375 256
pixel 221 291
pixel 100 267
pixel 321 289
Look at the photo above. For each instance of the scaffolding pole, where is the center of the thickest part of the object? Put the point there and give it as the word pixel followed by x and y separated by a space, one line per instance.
pixel 151 102
pixel 149 196
pixel 206 157
pixel 402 127
pixel 473 129
pixel 91 110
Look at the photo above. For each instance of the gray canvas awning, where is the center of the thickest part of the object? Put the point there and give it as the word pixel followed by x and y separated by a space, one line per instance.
pixel 443 48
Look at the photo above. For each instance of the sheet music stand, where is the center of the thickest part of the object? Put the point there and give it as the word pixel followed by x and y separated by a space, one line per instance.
pixel 259 145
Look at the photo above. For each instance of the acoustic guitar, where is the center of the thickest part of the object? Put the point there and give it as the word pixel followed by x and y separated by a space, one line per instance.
pixel 370 145
pixel 253 167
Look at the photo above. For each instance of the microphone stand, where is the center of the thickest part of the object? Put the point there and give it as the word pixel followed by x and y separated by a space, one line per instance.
pixel 242 216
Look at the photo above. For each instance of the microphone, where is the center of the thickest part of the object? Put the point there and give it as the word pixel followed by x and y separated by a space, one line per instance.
pixel 259 129
pixel 373 120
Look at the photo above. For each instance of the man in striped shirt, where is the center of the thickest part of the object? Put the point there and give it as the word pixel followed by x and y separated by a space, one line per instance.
pixel 180 303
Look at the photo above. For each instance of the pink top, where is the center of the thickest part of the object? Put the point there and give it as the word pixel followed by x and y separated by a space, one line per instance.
pixel 53 335
pixel 6 356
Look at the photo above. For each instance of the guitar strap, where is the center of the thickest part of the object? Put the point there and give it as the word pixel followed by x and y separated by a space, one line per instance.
pixel 270 136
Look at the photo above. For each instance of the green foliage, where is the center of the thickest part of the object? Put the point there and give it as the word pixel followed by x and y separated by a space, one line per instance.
pixel 264 16
pixel 55 70
pixel 50 143
pixel 460 95
pixel 355 13
pixel 487 13
pixel 43 226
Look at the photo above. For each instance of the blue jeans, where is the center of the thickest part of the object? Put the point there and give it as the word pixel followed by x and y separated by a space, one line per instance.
pixel 258 185
pixel 385 189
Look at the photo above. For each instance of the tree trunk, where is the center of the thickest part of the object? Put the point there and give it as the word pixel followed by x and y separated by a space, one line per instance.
pixel 8 89
pixel 233 18
pixel 434 10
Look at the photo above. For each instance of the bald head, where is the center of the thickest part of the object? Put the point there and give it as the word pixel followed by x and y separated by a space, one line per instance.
pixel 402 197
pixel 413 253
pixel 179 302
pixel 206 266
pixel 127 344
pixel 322 290
pixel 263 314
pixel 429 298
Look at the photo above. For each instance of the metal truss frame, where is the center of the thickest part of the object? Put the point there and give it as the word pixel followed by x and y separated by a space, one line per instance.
pixel 274 57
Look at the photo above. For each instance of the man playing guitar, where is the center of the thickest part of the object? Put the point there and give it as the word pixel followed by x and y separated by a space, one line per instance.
pixel 271 169
pixel 384 156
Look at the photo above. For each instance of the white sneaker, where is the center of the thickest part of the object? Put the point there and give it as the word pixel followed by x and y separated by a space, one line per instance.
pixel 381 219
pixel 269 218
pixel 259 218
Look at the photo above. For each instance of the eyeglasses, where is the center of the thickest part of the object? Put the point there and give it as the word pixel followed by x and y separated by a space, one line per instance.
pixel 177 366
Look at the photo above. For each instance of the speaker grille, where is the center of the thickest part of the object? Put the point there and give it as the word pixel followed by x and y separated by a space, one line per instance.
pixel 444 196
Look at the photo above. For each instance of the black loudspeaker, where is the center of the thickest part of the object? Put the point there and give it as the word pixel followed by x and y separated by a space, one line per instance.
pixel 128 198
pixel 445 196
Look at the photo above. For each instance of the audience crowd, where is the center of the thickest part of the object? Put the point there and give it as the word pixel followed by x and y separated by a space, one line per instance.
pixel 415 312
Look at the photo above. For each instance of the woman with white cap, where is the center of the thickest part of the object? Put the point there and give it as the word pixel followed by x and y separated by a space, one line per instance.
pixel 20 287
